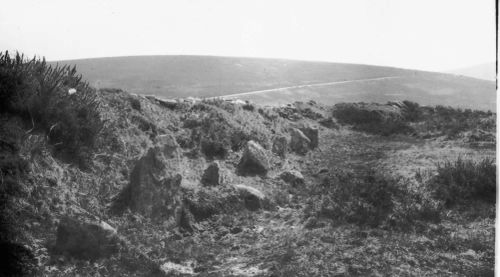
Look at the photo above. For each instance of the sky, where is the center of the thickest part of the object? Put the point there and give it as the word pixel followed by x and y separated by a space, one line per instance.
pixel 433 35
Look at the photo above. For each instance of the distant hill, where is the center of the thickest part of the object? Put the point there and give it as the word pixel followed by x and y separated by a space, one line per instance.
pixel 209 76
pixel 485 71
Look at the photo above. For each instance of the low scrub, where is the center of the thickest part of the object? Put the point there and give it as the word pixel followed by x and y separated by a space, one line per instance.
pixel 464 180
pixel 451 122
pixel 217 127
pixel 372 199
pixel 373 118
pixel 53 100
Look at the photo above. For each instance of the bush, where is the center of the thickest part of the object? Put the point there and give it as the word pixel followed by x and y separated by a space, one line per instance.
pixel 363 200
pixel 465 180
pixel 451 122
pixel 216 131
pixel 135 104
pixel 40 94
pixel 371 199
pixel 373 118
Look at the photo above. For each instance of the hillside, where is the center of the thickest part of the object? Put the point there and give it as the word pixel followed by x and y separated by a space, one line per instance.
pixel 107 183
pixel 485 71
pixel 204 76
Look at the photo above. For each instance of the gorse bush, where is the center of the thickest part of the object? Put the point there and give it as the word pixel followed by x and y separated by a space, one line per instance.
pixel 464 180
pixel 40 94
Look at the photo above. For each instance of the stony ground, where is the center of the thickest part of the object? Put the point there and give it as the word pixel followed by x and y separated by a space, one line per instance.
pixel 275 243
pixel 278 239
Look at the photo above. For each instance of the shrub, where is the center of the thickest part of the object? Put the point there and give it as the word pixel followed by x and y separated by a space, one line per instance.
pixel 373 118
pixel 216 130
pixel 39 93
pixel 135 104
pixel 364 200
pixel 371 199
pixel 465 180
pixel 411 111
pixel 248 107
pixel 452 122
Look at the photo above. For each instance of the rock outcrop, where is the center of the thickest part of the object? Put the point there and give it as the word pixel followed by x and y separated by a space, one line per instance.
pixel 292 177
pixel 88 240
pixel 299 142
pixel 212 176
pixel 254 198
pixel 254 160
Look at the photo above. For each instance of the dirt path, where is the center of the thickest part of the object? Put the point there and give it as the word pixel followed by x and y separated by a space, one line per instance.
pixel 236 95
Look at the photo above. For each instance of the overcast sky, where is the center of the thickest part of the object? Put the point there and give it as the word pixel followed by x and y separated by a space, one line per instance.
pixel 421 34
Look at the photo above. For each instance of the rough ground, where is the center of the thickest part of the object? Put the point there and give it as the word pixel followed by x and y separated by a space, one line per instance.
pixel 277 239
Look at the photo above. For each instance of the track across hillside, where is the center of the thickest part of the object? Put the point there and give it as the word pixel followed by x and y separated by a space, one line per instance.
pixel 236 95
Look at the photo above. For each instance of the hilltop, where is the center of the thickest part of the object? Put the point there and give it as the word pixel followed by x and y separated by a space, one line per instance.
pixel 210 76
pixel 485 71
pixel 107 183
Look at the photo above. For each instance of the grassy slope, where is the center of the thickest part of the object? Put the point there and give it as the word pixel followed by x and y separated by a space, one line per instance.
pixel 424 88
pixel 205 76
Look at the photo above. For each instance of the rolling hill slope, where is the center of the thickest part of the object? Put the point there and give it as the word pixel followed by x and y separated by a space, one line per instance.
pixel 207 76
pixel 485 71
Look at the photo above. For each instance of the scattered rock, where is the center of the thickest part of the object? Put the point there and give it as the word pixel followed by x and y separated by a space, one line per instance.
pixel 313 223
pixel 52 181
pixel 88 240
pixel 279 146
pixel 168 103
pixel 236 230
pixel 153 188
pixel 292 177
pixel 254 160
pixel 299 142
pixel 173 269
pixel 253 197
pixel 312 133
pixel 329 123
pixel 192 121
pixel 185 219
pixel 469 253
pixel 212 175
pixel 323 170
pixel 168 146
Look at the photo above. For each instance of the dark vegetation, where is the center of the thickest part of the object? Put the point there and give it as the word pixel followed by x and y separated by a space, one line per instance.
pixel 407 117
pixel 39 94
pixel 372 199
pixel 464 180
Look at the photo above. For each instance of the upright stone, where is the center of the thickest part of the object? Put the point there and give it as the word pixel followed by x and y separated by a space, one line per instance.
pixel 212 175
pixel 279 146
pixel 254 160
pixel 299 142
pixel 312 133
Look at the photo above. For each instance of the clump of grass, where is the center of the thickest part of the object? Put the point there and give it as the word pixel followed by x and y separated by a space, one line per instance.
pixel 53 100
pixel 465 180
